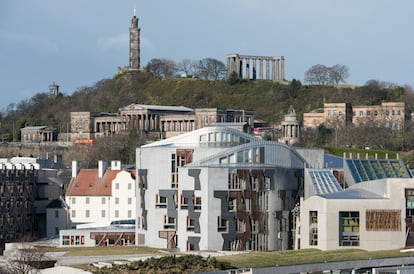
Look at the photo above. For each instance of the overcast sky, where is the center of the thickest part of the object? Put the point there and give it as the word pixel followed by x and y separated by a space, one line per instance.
pixel 79 42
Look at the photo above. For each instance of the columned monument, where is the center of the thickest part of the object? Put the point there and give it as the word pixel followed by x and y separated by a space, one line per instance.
pixel 246 67
pixel 134 47
pixel 290 128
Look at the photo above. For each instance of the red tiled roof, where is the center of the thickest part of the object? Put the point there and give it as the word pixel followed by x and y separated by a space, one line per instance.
pixel 87 183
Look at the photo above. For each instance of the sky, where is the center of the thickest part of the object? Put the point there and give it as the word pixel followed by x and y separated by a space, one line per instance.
pixel 77 43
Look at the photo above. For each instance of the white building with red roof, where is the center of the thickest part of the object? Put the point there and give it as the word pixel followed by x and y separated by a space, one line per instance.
pixel 101 195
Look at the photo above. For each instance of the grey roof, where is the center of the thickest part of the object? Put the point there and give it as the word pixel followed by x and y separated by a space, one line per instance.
pixel 352 193
pixel 158 107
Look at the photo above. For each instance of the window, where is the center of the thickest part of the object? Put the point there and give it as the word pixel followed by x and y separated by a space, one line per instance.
pixel 383 220
pixel 160 201
pixel 56 213
pixel 103 213
pixel 87 200
pixel 73 213
pixel 313 228
pixel 117 186
pixel 169 222
pixel 197 202
pixel 361 113
pixel 129 213
pixel 116 213
pixel 65 240
pixel 116 200
pixel 184 202
pixel 87 213
pixel 368 113
pixel 73 200
pixel 129 186
pixel 56 230
pixel 348 228
pixel 103 201
pixel 129 200
pixel 190 224
pixel 222 224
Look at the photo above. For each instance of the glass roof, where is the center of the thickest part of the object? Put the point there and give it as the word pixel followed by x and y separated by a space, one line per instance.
pixel 373 169
pixel 324 182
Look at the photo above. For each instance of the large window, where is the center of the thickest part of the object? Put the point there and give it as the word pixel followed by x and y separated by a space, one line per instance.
pixel 349 228
pixel 383 220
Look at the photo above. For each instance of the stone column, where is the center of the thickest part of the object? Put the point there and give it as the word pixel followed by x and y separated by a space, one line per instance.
pixel 247 68
pixel 273 70
pixel 282 68
pixel 277 70
pixel 261 69
pixel 228 67
pixel 254 69
pixel 267 69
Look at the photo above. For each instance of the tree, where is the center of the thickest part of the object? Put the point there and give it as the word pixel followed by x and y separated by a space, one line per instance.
pixel 321 75
pixel 27 259
pixel 317 74
pixel 163 68
pixel 338 73
pixel 211 69
pixel 187 66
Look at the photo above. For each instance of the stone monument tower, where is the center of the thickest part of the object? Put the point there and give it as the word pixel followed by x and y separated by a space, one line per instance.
pixel 53 90
pixel 290 128
pixel 134 49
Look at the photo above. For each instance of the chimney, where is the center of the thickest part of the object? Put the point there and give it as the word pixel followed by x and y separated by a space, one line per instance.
pixel 75 168
pixel 102 165
pixel 116 165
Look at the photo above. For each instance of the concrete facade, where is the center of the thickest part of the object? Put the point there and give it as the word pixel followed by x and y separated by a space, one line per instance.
pixel 38 134
pixel 220 189
pixel 371 209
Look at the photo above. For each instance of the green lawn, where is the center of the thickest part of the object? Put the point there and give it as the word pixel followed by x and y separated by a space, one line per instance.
pixel 252 259
pixel 266 259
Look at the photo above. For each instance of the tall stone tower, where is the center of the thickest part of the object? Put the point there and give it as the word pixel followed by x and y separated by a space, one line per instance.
pixel 134 50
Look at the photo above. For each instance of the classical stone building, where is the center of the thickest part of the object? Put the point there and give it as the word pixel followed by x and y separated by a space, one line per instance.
pixel 274 67
pixel 155 121
pixel 38 134
pixel 388 114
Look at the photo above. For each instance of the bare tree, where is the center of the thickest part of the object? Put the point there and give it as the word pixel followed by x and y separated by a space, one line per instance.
pixel 211 69
pixel 317 74
pixel 163 68
pixel 26 259
pixel 187 66
pixel 338 73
